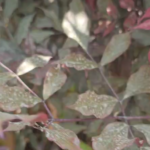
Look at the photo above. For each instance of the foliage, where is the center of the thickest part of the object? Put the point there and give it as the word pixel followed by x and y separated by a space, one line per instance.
pixel 74 74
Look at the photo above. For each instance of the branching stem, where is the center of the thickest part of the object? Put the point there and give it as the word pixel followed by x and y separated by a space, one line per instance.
pixel 112 90
pixel 19 79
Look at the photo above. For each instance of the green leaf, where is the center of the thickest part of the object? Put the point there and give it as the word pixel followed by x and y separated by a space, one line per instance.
pixel 43 22
pixel 54 18
pixel 102 6
pixel 138 82
pixel 78 61
pixel 31 63
pixel 64 138
pixel 84 146
pixel 5 76
pixel 76 24
pixel 90 103
pixel 141 36
pixel 116 47
pixel 69 43
pixel 40 35
pixel 9 8
pixel 54 80
pixel 12 98
pixel 23 28
pixel 145 129
pixel 114 137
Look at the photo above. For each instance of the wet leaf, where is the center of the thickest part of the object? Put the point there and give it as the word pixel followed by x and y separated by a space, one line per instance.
pixel 23 28
pixel 64 138
pixel 138 82
pixel 9 8
pixel 54 80
pixel 12 98
pixel 31 63
pixel 76 24
pixel 5 76
pixel 114 137
pixel 40 35
pixel 116 47
pixel 90 103
pixel 144 128
pixel 78 61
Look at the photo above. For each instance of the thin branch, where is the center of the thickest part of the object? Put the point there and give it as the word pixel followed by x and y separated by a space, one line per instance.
pixel 19 79
pixel 95 119
pixel 112 90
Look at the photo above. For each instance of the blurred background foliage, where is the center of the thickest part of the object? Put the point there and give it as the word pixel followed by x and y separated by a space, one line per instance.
pixel 29 27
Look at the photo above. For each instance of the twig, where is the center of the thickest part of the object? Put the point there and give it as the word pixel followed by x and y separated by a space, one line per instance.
pixel 95 119
pixel 19 79
pixel 112 90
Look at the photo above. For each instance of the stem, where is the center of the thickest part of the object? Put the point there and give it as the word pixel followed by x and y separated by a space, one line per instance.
pixel 112 90
pixel 19 79
pixel 95 119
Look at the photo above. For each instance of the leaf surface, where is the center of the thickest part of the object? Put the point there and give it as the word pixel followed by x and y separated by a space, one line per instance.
pixel 40 35
pixel 12 98
pixel 31 63
pixel 145 129
pixel 116 47
pixel 54 80
pixel 64 138
pixel 139 82
pixel 23 120
pixel 5 76
pixel 78 61
pixel 9 8
pixel 90 103
pixel 23 28
pixel 114 137
pixel 76 24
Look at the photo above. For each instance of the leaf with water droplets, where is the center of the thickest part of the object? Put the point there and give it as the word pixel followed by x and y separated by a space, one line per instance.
pixel 139 82
pixel 145 129
pixel 12 98
pixel 5 76
pixel 64 138
pixel 78 61
pixel 54 80
pixel 76 24
pixel 31 63
pixel 116 47
pixel 114 137
pixel 90 103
